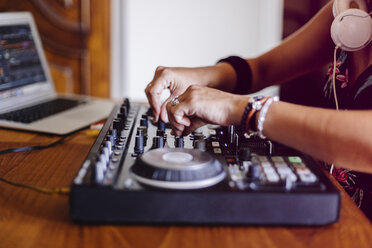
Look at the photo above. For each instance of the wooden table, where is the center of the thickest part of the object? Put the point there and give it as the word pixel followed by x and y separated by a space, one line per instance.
pixel 32 219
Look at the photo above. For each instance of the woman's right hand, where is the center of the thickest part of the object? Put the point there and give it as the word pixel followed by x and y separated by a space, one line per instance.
pixel 178 79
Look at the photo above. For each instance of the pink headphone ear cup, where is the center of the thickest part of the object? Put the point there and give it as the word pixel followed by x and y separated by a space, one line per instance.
pixel 352 30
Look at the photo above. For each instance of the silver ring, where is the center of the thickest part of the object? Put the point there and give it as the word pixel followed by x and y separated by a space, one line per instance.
pixel 175 101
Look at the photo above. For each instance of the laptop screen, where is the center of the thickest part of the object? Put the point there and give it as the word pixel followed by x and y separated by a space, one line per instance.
pixel 20 64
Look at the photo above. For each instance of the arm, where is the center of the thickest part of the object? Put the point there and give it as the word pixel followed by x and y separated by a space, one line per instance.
pixel 306 50
pixel 339 137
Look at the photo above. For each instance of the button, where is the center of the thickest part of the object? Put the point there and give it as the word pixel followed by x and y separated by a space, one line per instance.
pixel 212 132
pixel 272 178
pixel 215 144
pixel 263 158
pixel 302 171
pixel 266 165
pixel 294 159
pixel 308 178
pixel 217 150
pixel 277 159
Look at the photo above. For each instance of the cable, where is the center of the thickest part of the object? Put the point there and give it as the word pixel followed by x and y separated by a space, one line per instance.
pixel 33 148
pixel 59 190
pixel 334 89
pixel 334 76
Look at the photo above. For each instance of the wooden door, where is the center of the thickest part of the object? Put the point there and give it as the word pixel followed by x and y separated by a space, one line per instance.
pixel 76 39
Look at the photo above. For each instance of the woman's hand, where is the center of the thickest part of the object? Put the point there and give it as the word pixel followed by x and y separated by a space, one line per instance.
pixel 174 79
pixel 200 105
pixel 177 80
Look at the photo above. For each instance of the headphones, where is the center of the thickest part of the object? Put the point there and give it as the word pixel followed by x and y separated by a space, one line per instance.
pixel 351 30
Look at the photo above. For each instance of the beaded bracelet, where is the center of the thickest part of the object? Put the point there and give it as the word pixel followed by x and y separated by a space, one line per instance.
pixel 247 110
pixel 256 106
pixel 262 115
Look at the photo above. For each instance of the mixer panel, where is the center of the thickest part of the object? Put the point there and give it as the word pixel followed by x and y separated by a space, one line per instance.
pixel 137 172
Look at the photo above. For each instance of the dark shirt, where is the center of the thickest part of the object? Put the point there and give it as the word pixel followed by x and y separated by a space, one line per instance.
pixel 356 96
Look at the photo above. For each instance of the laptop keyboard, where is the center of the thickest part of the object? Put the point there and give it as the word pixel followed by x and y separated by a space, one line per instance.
pixel 39 111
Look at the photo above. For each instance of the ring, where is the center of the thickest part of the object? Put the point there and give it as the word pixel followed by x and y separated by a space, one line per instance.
pixel 175 101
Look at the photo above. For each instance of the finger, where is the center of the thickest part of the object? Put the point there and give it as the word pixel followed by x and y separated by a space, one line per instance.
pixel 177 129
pixel 195 124
pixel 163 109
pixel 176 113
pixel 153 92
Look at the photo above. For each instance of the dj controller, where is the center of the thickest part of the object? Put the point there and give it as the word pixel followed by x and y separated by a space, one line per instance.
pixel 136 172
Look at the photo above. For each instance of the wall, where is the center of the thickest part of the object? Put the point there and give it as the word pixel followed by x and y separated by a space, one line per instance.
pixel 148 33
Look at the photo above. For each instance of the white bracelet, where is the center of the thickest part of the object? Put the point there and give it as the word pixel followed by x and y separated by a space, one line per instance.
pixel 262 115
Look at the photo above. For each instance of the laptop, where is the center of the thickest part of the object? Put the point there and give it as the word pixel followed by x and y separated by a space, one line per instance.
pixel 28 99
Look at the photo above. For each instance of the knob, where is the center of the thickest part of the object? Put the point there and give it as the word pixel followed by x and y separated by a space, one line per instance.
pixel 114 133
pixel 139 143
pixel 144 122
pixel 140 132
pixel 111 139
pixel 179 142
pixel 254 172
pixel 244 154
pixel 200 145
pixel 124 110
pixel 108 145
pixel 198 136
pixel 118 125
pixel 160 132
pixel 105 151
pixel 121 116
pixel 158 142
pixel 126 103
pixel 144 130
pixel 161 125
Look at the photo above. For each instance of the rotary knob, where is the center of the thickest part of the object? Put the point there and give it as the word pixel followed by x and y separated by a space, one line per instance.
pixel 179 142
pixel 158 142
pixel 200 145
pixel 244 154
pixel 161 125
pixel 139 145
pixel 254 172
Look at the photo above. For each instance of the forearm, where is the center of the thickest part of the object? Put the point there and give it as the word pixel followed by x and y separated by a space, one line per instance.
pixel 339 137
pixel 308 49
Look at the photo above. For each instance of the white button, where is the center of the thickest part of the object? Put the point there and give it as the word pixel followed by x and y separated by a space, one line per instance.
pixel 308 178
pixel 217 151
pixel 303 171
pixel 266 165
pixel 215 144
pixel 280 165
pixel 273 178
pixel 262 158
pixel 277 159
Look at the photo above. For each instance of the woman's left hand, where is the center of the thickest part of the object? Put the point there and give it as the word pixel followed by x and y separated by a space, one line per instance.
pixel 199 105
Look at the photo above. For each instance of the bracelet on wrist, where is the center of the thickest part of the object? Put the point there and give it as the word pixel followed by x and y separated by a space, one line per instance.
pixel 262 115
pixel 243 74
pixel 255 105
